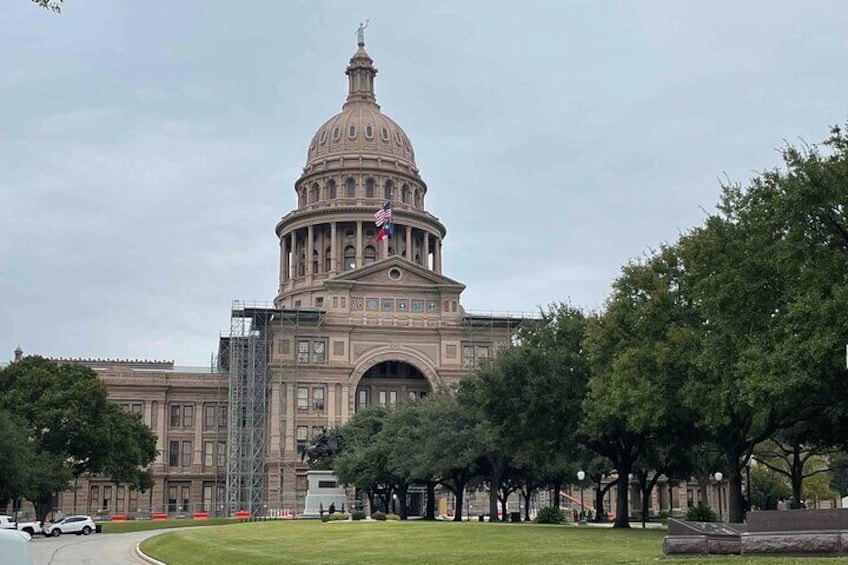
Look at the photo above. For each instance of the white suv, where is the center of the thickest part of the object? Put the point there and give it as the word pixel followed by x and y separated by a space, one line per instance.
pixel 70 525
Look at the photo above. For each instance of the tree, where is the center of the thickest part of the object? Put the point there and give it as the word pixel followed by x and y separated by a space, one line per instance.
pixel 54 6
pixel 72 429
pixel 640 348
pixel 767 488
pixel 769 274
pixel 15 453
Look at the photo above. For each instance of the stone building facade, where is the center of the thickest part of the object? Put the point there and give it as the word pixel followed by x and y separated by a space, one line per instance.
pixel 355 322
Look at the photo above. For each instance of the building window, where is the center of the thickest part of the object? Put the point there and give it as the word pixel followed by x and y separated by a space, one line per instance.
pixel 393 396
pixel 208 453
pixel 370 255
pixel 175 416
pixel 328 255
pixel 133 500
pixel 302 438
pixel 474 355
pixel 331 188
pixel 351 132
pixel 349 258
pixel 382 397
pixel 120 499
pixel 209 417
pixel 319 351
pixel 174 453
pixel 350 188
pixel 303 352
pixel 186 462
pixel 387 190
pixel 313 194
pixel 107 498
pixel 222 454
pixel 208 504
pixel 172 499
pixel 369 188
pixel 188 416
pixel 404 194
pixel 318 398
pixel 184 498
pixel 302 398
pixel 363 398
pixel 412 395
pixel 369 132
pixel 94 499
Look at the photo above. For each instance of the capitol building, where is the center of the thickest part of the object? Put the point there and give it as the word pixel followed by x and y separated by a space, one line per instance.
pixel 358 319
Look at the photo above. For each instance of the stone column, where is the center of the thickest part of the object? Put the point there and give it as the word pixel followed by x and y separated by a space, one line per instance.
pixel 426 249
pixel 310 245
pixel 345 403
pixel 331 405
pixel 160 432
pixel 197 457
pixel 437 256
pixel 358 244
pixel 334 248
pixel 283 260
pixel 289 447
pixel 274 440
pixel 409 242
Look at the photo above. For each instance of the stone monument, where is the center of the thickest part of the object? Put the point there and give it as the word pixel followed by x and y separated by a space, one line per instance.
pixel 323 490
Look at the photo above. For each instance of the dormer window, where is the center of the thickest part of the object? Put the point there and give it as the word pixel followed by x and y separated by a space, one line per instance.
pixel 351 132
pixel 337 133
pixel 369 132
pixel 384 133
pixel 323 137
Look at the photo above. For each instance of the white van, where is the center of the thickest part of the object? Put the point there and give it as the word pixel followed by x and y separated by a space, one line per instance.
pixel 14 548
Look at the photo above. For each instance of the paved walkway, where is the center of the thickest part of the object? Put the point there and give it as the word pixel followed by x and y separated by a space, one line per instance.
pixel 96 549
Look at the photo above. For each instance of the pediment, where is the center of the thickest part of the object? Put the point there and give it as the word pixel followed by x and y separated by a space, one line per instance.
pixel 395 271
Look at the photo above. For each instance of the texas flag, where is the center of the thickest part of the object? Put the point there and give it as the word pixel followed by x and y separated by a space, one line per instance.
pixel 383 219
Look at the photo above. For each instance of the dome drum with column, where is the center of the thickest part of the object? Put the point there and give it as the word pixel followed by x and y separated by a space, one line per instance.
pixel 356 161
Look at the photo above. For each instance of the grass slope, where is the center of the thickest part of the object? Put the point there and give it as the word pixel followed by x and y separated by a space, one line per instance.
pixel 144 525
pixel 418 542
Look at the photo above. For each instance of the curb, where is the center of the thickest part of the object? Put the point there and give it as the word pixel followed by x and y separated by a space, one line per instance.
pixel 138 553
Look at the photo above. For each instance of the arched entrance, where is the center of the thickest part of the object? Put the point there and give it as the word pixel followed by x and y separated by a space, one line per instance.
pixel 390 382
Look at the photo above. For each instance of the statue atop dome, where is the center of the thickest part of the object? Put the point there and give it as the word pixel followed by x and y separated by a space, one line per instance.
pixel 360 33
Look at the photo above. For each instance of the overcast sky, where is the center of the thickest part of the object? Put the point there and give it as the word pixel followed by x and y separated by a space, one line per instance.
pixel 147 149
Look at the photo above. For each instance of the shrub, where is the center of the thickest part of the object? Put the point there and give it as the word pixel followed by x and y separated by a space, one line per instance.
pixel 379 516
pixel 550 515
pixel 338 516
pixel 358 515
pixel 701 513
pixel 325 517
pixel 392 517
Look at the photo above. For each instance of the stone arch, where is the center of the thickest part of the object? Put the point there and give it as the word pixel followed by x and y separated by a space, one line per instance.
pixel 396 352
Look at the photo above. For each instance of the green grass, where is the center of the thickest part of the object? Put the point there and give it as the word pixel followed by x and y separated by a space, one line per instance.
pixel 145 525
pixel 416 542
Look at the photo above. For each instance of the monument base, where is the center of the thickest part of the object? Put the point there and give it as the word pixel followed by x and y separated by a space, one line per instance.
pixel 323 490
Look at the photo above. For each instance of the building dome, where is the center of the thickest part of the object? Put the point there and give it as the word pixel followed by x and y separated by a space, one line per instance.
pixel 360 128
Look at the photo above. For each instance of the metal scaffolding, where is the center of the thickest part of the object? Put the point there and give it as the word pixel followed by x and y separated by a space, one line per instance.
pixel 245 352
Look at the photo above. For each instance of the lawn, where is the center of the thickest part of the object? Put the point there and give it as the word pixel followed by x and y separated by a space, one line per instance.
pixel 303 541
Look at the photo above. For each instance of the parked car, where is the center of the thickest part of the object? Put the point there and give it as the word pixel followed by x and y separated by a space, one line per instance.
pixel 7 523
pixel 33 527
pixel 13 548
pixel 70 525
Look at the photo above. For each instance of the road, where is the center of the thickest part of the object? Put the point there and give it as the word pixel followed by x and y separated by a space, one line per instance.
pixel 96 549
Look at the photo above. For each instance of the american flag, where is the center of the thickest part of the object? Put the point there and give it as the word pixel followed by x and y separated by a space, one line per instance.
pixel 384 214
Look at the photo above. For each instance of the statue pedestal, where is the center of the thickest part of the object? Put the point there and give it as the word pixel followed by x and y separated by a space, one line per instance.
pixel 323 490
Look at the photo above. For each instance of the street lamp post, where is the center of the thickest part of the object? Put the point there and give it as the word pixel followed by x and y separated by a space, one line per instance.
pixel 718 478
pixel 580 476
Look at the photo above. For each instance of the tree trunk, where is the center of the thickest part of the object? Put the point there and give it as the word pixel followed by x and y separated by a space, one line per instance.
pixel 402 490
pixel 458 493
pixel 735 512
pixel 622 500
pixel 557 489
pixel 527 494
pixel 497 464
pixel 430 512
pixel 600 493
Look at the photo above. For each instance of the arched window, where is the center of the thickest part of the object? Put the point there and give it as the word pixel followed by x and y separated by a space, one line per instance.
pixel 315 261
pixel 388 189
pixel 328 257
pixel 301 198
pixel 350 188
pixel 331 187
pixel 369 188
pixel 313 194
pixel 404 194
pixel 301 264
pixel 349 258
pixel 370 255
